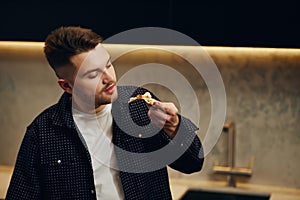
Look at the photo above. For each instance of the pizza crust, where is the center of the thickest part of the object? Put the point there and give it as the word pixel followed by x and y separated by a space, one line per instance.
pixel 146 97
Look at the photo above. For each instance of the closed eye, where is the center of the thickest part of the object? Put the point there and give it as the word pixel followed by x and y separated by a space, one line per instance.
pixel 93 74
pixel 109 64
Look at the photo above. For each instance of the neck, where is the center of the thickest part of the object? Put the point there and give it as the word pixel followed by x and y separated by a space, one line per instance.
pixel 83 107
pixel 99 108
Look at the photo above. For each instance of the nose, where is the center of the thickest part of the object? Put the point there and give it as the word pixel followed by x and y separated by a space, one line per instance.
pixel 106 77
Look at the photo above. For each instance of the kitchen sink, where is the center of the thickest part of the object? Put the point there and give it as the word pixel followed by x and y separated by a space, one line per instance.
pixel 198 194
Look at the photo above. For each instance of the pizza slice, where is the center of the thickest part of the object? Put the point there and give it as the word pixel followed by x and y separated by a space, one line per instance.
pixel 146 97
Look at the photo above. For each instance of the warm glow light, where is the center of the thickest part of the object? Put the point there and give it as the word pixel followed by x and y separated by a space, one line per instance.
pixel 21 49
pixel 24 44
pixel 20 43
pixel 221 48
pixel 213 48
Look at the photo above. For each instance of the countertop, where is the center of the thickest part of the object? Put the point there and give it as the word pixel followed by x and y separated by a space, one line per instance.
pixel 180 186
pixel 5 176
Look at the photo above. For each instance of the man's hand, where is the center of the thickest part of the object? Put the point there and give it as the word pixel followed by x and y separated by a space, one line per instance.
pixel 164 114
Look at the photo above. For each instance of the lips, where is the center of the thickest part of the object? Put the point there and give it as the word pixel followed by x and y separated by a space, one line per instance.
pixel 110 89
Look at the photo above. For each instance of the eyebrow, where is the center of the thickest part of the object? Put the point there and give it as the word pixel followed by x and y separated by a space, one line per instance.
pixel 95 69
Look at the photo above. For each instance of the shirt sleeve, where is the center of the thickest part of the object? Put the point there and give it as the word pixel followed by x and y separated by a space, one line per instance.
pixel 189 148
pixel 184 152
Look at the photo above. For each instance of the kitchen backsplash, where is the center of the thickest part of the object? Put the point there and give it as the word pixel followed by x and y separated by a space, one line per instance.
pixel 262 90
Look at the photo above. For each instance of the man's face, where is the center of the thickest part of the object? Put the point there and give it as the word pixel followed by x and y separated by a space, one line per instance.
pixel 94 79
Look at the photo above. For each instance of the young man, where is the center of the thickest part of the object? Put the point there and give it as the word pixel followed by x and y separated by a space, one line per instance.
pixel 93 144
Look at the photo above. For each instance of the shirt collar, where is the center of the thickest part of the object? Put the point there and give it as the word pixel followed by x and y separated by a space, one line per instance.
pixel 62 116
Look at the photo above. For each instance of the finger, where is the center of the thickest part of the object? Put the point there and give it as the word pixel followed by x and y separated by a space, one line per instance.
pixel 168 108
pixel 157 113
pixel 167 111
pixel 161 118
pixel 158 122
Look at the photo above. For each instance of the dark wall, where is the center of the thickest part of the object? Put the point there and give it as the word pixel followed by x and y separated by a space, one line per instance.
pixel 223 23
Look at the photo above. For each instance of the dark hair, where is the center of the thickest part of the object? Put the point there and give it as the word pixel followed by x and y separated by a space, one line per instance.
pixel 65 42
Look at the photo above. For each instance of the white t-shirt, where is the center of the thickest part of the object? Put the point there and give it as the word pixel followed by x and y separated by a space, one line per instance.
pixel 96 130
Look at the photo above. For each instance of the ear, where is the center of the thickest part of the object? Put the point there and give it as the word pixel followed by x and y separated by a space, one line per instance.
pixel 65 85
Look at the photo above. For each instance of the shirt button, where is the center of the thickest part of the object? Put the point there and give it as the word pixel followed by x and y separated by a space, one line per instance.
pixel 92 191
pixel 58 161
pixel 140 135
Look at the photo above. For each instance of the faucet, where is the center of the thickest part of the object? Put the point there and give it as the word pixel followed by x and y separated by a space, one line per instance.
pixel 231 170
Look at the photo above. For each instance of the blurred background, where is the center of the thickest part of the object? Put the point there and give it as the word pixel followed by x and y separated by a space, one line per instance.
pixel 262 84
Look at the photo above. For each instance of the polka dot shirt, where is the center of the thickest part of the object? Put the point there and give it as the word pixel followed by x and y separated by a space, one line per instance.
pixel 54 163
